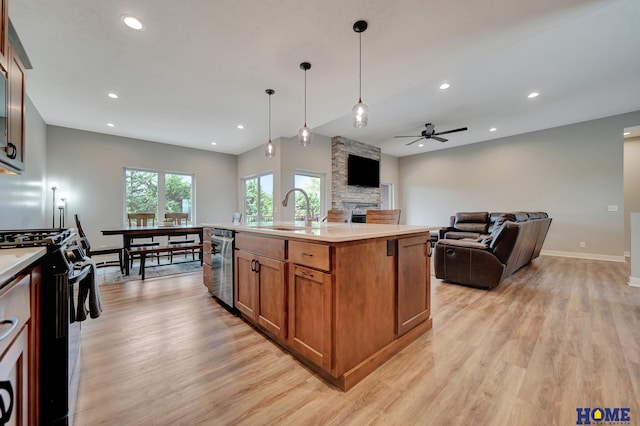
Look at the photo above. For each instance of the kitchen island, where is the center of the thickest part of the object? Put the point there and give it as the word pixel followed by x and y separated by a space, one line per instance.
pixel 342 298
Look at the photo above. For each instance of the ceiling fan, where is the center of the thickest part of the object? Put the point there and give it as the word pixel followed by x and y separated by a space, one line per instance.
pixel 429 133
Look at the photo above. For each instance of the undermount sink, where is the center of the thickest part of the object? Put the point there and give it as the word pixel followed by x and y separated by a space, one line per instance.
pixel 284 227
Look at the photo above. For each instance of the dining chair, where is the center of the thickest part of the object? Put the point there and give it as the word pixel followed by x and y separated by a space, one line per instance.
pixel 84 242
pixel 391 217
pixel 180 219
pixel 342 216
pixel 142 219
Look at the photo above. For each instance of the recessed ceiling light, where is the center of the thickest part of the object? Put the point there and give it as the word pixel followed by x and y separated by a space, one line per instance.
pixel 132 22
pixel 444 86
pixel 626 133
pixel 420 145
pixel 214 143
pixel 113 96
pixel 240 126
pixel 533 95
pixel 493 129
pixel 110 125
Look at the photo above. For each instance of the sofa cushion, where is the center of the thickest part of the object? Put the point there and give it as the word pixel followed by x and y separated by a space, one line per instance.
pixel 472 222
pixel 472 217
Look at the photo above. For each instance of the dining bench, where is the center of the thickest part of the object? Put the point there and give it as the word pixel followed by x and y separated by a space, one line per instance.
pixel 168 248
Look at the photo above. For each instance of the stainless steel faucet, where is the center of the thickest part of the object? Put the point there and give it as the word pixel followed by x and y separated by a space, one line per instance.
pixel 307 219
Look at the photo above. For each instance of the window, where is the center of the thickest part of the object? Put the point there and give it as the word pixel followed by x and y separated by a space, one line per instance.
pixel 258 198
pixel 313 184
pixel 148 191
pixel 386 196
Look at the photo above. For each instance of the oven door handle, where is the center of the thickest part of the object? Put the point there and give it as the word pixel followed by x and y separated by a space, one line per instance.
pixel 6 414
pixel 14 323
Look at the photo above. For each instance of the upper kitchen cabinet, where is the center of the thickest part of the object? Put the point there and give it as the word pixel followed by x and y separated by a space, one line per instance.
pixel 4 31
pixel 12 104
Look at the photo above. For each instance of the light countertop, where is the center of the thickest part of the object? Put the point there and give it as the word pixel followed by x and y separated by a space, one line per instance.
pixel 14 260
pixel 326 231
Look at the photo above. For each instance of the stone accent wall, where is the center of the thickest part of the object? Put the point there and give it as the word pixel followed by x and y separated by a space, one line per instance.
pixel 344 197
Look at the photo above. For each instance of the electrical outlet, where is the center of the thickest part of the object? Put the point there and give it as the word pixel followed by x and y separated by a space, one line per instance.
pixel 583 244
pixel 612 208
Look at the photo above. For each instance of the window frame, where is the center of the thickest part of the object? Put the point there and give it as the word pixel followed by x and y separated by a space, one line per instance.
pixel 322 209
pixel 257 176
pixel 161 194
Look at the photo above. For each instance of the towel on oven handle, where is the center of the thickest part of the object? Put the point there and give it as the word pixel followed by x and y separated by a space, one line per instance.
pixel 88 289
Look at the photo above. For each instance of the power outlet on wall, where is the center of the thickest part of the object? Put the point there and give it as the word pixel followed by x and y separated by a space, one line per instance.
pixel 583 244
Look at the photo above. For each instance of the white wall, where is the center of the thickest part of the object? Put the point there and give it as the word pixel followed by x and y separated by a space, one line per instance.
pixel 90 168
pixel 389 174
pixel 631 185
pixel 23 196
pixel 572 172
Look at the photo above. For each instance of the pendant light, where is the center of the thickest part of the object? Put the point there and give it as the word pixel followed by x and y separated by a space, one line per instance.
pixel 270 148
pixel 304 135
pixel 360 111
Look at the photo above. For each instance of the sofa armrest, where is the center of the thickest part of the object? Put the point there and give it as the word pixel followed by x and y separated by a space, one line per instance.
pixel 463 243
pixel 467 262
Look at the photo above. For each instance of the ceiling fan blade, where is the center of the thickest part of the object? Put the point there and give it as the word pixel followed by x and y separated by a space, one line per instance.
pixel 461 129
pixel 416 136
pixel 439 139
pixel 415 141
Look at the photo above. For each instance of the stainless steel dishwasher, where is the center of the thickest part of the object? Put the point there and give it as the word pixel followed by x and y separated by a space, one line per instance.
pixel 222 275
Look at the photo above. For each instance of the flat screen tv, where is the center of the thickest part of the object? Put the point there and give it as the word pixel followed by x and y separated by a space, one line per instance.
pixel 363 172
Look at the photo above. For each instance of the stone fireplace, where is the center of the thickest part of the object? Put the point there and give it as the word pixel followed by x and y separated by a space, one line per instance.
pixel 345 197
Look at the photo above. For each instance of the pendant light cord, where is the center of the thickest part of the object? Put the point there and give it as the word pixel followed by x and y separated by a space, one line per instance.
pixel 269 118
pixel 305 98
pixel 360 70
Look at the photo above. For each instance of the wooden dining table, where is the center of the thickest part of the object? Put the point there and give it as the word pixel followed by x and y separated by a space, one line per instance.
pixel 130 232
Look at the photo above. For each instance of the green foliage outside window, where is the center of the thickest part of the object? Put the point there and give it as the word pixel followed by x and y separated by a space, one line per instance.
pixel 141 192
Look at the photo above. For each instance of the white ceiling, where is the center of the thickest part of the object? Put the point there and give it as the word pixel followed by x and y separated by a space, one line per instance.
pixel 199 68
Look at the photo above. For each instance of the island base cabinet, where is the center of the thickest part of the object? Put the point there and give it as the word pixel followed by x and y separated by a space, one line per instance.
pixel 310 293
pixel 246 284
pixel 272 302
pixel 261 292
pixel 413 283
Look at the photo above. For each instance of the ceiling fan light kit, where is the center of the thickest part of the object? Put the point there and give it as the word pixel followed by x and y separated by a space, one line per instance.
pixel 269 148
pixel 304 135
pixel 360 111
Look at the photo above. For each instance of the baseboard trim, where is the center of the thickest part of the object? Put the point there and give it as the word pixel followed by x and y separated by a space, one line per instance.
pixel 577 255
pixel 627 254
pixel 634 281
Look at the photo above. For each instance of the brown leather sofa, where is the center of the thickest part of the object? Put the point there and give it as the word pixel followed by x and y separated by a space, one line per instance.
pixel 482 249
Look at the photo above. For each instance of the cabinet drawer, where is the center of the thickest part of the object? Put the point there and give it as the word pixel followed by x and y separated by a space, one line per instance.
pixel 14 309
pixel 310 254
pixel 272 247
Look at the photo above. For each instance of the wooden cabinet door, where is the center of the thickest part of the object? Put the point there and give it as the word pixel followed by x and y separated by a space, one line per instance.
pixel 14 381
pixel 413 287
pixel 246 284
pixel 272 302
pixel 15 113
pixel 310 314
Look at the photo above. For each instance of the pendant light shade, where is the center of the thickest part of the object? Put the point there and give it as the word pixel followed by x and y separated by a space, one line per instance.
pixel 360 111
pixel 304 135
pixel 269 148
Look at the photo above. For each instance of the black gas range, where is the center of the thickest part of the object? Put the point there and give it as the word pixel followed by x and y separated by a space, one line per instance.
pixel 47 237
pixel 63 267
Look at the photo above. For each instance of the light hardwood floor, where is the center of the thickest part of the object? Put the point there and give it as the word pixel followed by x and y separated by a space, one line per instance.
pixel 559 334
